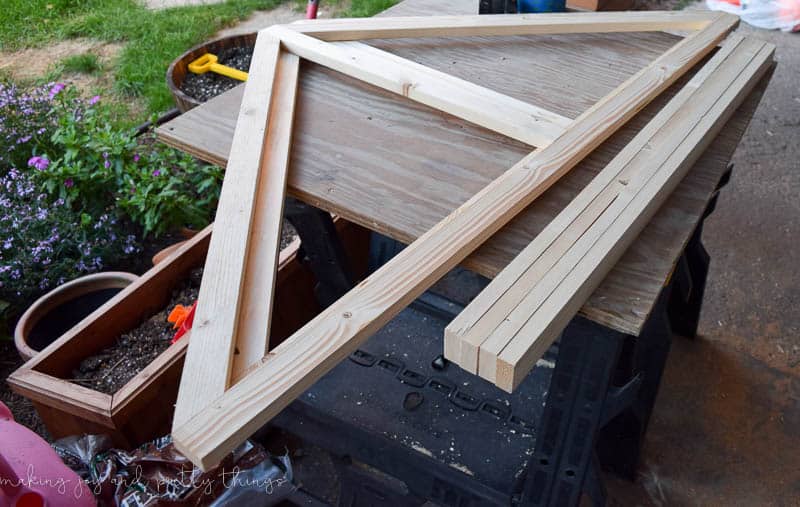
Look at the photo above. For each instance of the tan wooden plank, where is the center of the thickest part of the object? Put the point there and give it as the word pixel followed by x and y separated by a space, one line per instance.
pixel 509 24
pixel 485 323
pixel 327 339
pixel 218 306
pixel 395 190
pixel 255 314
pixel 670 128
pixel 62 394
pixel 518 120
pixel 519 355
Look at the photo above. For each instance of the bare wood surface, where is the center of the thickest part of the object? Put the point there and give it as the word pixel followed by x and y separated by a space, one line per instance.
pixel 217 315
pixel 477 25
pixel 506 115
pixel 491 319
pixel 637 203
pixel 398 167
pixel 331 336
pixel 261 267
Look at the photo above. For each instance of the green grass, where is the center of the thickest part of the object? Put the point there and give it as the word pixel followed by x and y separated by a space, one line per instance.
pixel 355 9
pixel 366 8
pixel 86 63
pixel 152 39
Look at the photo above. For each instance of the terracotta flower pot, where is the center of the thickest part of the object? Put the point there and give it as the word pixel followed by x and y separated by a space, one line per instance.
pixel 57 311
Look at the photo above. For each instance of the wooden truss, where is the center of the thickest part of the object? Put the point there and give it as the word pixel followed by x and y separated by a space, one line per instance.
pixel 232 384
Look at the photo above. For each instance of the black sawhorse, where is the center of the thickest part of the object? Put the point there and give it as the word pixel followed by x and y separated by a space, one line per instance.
pixel 597 399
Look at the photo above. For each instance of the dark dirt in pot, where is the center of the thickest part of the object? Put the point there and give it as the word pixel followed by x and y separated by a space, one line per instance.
pixel 113 367
pixel 62 318
pixel 205 86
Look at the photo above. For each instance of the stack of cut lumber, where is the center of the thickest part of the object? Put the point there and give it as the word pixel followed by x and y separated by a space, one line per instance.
pixel 233 383
pixel 512 322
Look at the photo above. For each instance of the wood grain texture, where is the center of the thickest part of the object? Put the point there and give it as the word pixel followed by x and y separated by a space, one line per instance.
pixel 506 115
pixel 501 24
pixel 398 167
pixel 329 338
pixel 488 322
pixel 264 241
pixel 62 395
pixel 663 164
pixel 218 307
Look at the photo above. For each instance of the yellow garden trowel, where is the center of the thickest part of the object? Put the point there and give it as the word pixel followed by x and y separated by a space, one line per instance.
pixel 208 62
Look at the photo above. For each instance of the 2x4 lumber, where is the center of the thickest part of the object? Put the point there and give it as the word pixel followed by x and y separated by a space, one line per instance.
pixel 209 358
pixel 502 24
pixel 503 114
pixel 724 94
pixel 633 165
pixel 319 345
pixel 255 316
pixel 486 323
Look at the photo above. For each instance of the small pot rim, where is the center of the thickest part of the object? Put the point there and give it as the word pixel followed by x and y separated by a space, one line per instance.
pixel 65 292
pixel 175 87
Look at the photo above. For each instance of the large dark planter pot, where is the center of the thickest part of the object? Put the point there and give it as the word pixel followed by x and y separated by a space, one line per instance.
pixel 60 309
pixel 178 69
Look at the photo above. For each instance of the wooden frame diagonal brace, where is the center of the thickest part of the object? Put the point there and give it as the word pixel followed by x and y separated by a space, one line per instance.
pixel 240 270
pixel 210 423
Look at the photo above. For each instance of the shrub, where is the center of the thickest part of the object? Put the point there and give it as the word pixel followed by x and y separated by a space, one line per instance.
pixel 26 121
pixel 93 166
pixel 44 243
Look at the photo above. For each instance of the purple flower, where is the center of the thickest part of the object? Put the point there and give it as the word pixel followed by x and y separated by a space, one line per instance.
pixel 157 173
pixel 39 163
pixel 56 89
pixel 94 100
pixel 69 183
pixel 105 154
pixel 136 157
pixel 106 164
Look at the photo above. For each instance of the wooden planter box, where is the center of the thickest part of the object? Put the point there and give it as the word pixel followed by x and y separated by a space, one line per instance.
pixel 142 409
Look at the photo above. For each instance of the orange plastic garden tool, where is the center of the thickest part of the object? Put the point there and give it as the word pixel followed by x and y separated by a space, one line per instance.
pixel 208 62
pixel 182 317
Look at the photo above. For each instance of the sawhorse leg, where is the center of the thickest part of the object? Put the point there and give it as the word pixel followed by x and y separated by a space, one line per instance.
pixel 601 395
pixel 321 250
pixel 689 279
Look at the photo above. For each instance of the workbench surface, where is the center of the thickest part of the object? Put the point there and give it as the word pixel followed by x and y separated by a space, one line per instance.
pixel 398 167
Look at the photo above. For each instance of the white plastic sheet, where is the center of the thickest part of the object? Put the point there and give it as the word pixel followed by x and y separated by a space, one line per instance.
pixel 769 14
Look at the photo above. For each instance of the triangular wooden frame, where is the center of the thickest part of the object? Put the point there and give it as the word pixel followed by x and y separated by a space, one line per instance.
pixel 230 385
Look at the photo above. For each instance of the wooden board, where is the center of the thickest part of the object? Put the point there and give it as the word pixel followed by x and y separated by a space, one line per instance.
pixel 227 420
pixel 393 27
pixel 397 192
pixel 519 356
pixel 257 294
pixel 514 118
pixel 219 305
pixel 506 310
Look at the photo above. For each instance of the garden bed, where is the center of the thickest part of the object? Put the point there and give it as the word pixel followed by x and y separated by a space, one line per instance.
pixel 113 367
pixel 142 408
